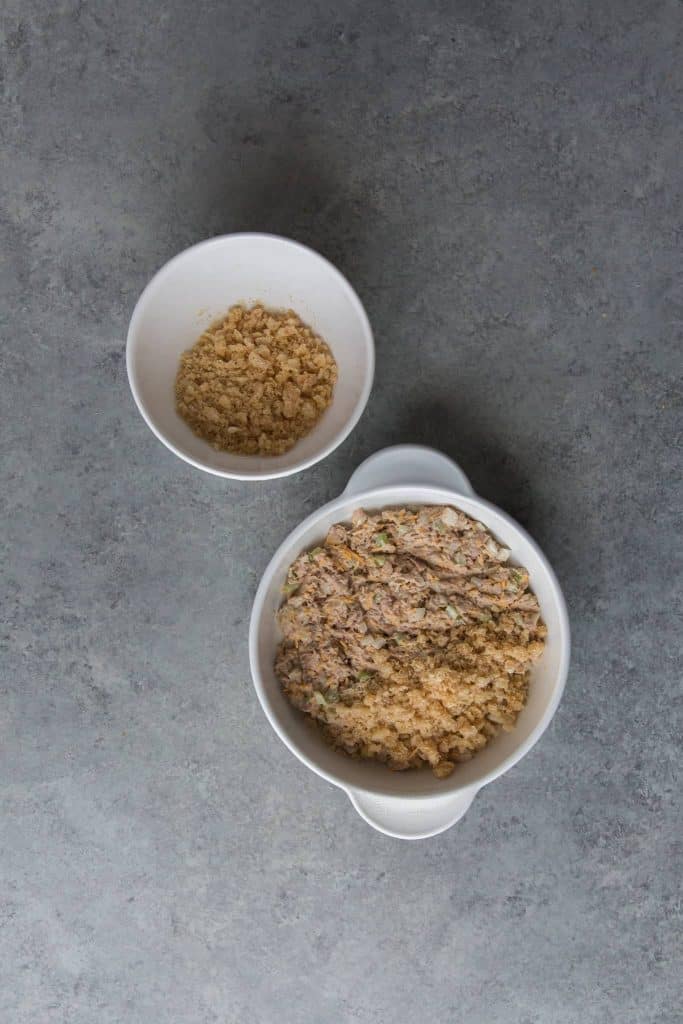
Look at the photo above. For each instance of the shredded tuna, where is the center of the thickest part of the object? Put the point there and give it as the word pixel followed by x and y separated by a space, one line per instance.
pixel 408 637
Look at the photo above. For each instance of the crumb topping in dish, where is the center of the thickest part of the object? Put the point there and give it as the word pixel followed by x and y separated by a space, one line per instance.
pixel 255 382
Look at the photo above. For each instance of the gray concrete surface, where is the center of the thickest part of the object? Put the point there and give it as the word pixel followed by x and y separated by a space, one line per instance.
pixel 502 183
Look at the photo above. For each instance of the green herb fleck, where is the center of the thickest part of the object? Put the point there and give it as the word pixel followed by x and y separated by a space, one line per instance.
pixel 289 588
pixel 379 559
pixel 320 698
pixel 312 554
pixel 364 676
pixel 381 539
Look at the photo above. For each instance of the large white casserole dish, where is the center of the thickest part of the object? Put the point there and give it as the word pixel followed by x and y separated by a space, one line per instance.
pixel 412 804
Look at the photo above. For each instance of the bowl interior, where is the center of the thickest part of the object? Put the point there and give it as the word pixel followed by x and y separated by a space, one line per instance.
pixel 199 286
pixel 547 679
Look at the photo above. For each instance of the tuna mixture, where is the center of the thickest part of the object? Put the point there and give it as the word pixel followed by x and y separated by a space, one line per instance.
pixel 408 637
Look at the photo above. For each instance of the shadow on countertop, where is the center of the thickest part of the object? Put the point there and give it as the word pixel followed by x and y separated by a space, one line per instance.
pixel 495 473
pixel 268 169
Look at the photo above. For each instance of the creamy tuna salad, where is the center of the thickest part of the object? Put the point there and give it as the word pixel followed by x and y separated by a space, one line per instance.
pixel 408 637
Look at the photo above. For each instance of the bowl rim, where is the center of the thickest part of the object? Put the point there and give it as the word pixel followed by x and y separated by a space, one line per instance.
pixel 368 341
pixel 450 785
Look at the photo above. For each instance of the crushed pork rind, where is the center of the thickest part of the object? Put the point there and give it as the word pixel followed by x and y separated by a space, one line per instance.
pixel 408 637
pixel 255 382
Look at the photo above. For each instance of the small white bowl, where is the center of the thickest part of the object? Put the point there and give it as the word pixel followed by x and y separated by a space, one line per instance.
pixel 414 804
pixel 197 287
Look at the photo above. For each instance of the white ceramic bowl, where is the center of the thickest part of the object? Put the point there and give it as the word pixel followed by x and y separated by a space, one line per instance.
pixel 410 805
pixel 197 287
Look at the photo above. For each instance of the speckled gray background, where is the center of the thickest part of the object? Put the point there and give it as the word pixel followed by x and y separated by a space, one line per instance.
pixel 503 184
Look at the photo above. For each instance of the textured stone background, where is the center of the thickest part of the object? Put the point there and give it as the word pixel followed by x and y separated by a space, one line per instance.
pixel 503 184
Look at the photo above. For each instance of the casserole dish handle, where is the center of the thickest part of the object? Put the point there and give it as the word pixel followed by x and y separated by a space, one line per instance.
pixel 411 819
pixel 407 464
